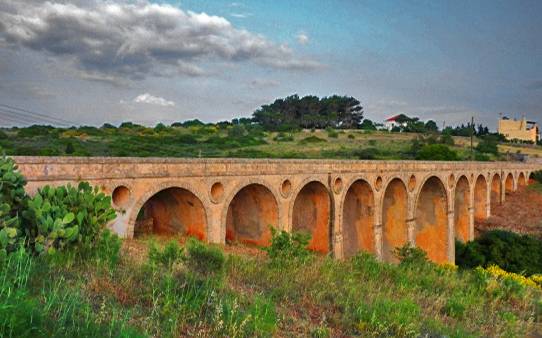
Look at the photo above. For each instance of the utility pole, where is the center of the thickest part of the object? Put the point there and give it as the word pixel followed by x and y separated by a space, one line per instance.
pixel 471 137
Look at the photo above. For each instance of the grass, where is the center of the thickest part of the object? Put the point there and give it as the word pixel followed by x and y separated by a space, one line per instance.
pixel 214 141
pixel 248 296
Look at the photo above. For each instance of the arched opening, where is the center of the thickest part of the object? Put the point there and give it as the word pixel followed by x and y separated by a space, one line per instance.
pixel 509 184
pixel 461 210
pixel 358 219
pixel 432 220
pixel 250 214
pixel 480 199
pixel 394 219
pixel 521 180
pixel 495 191
pixel 172 211
pixel 531 179
pixel 311 214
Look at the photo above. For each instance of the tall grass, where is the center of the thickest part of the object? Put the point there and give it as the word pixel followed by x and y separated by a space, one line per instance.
pixel 170 294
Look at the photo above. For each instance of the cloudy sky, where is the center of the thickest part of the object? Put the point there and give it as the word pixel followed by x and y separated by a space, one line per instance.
pixel 94 61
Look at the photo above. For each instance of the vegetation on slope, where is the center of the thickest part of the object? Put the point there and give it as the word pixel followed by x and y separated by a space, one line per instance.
pixel 242 140
pixel 81 284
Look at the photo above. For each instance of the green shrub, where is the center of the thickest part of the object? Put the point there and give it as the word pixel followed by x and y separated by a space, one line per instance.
pixel 206 260
pixel 481 157
pixel 65 217
pixel 171 254
pixel 447 139
pixel 408 254
pixel 351 136
pixel 332 133
pixel 288 247
pixel 537 176
pixel 436 152
pixel 12 202
pixel 367 153
pixel 108 248
pixel 488 144
pixel 510 251
pixel 311 139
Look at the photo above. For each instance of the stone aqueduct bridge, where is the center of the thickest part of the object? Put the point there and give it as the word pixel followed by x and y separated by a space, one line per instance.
pixel 348 206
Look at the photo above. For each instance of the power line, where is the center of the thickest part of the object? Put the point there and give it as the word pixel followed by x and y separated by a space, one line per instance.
pixel 46 117
pixel 15 117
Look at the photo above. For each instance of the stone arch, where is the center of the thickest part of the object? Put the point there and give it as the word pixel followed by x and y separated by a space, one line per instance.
pixel 495 197
pixel 394 218
pixel 172 211
pixel 432 220
pixel 480 198
pixel 358 219
pixel 312 213
pixel 509 184
pixel 231 194
pixel 252 210
pixel 138 205
pixel 461 209
pixel 521 180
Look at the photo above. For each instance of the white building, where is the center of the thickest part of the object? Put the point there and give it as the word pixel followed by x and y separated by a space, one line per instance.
pixel 390 123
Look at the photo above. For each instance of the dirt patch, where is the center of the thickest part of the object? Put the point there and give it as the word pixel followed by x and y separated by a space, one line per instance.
pixel 521 212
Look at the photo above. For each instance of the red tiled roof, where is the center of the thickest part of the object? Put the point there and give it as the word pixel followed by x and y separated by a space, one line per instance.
pixel 392 118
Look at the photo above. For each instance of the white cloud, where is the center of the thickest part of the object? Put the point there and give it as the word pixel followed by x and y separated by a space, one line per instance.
pixel 302 38
pixel 240 15
pixel 155 100
pixel 112 42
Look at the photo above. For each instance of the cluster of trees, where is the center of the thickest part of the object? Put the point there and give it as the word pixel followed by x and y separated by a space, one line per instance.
pixel 466 130
pixel 294 112
pixel 414 125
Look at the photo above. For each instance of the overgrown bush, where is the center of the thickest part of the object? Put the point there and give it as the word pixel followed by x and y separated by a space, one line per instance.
pixel 537 176
pixel 436 152
pixel 288 247
pixel 65 217
pixel 332 133
pixel 408 254
pixel 12 202
pixel 204 259
pixel 311 139
pixel 508 250
pixel 171 254
pixel 488 144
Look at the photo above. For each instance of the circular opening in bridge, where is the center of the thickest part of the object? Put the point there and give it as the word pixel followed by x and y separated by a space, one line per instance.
pixel 509 184
pixel 451 181
pixel 480 199
pixel 412 183
pixel 172 211
pixel 311 214
pixel 394 219
pixel 251 213
pixel 461 210
pixel 432 220
pixel 378 183
pixel 358 219
pixel 217 192
pixel 286 188
pixel 338 185
pixel 121 196
pixel 495 191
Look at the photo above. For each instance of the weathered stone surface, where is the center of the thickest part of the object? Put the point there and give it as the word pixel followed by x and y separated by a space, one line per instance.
pixel 347 205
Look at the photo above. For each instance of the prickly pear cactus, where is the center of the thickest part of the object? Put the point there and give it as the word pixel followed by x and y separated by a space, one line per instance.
pixel 12 202
pixel 67 216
